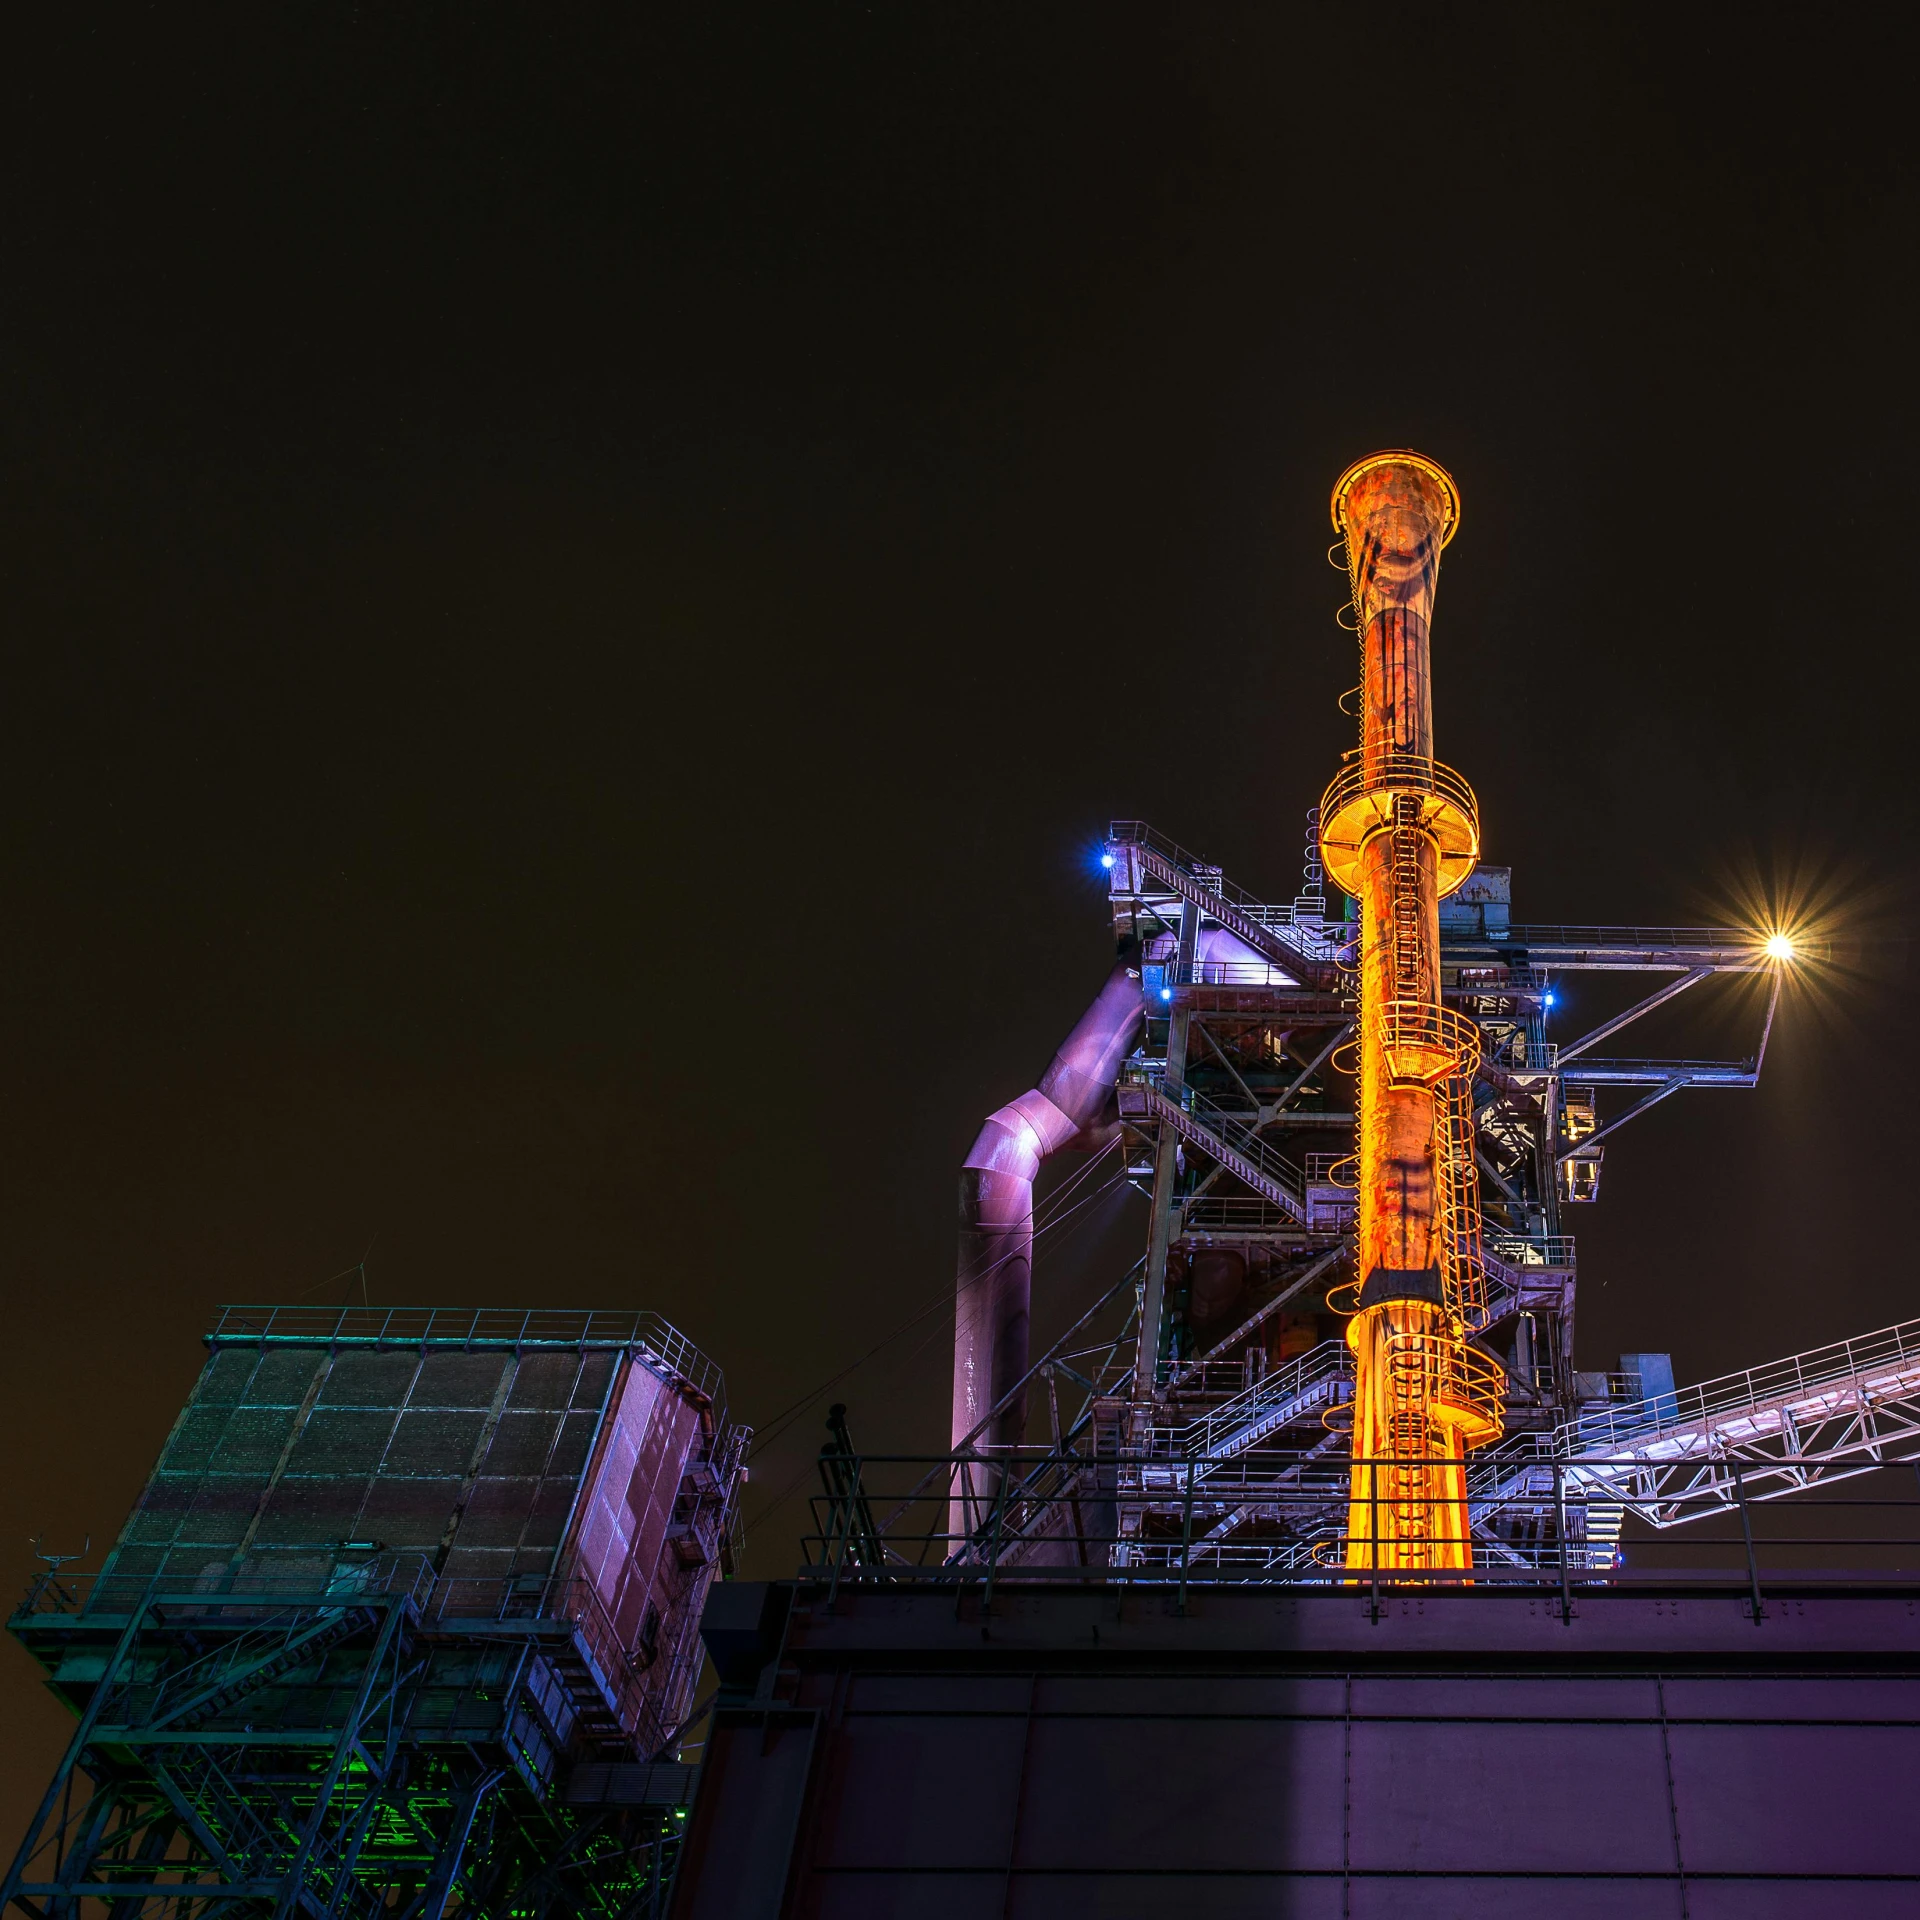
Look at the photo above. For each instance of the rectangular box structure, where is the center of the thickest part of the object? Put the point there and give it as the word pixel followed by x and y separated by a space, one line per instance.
pixel 405 1618
pixel 1472 1756
pixel 497 1464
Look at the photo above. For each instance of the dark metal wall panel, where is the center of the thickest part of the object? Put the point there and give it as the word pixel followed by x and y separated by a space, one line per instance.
pixel 1236 1695
pixel 909 1790
pixel 911 1896
pixel 1762 1798
pixel 1176 1896
pixel 1857 1699
pixel 629 1508
pixel 1489 1796
pixel 938 1693
pixel 1558 1697
pixel 1431 1897
pixel 1166 1795
pixel 1635 1762
pixel 1800 1900
pixel 739 1853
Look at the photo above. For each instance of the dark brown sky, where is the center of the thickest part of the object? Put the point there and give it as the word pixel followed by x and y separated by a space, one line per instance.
pixel 577 594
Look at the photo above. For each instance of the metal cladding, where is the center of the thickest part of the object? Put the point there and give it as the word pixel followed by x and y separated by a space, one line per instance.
pixel 574 1463
pixel 1399 832
pixel 1466 1756
pixel 404 1620
pixel 994 1292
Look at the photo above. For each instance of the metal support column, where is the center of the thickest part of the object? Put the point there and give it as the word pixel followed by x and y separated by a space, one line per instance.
pixel 1165 1178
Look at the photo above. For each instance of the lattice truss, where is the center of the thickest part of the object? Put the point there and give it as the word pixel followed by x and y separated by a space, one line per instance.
pixel 322 1760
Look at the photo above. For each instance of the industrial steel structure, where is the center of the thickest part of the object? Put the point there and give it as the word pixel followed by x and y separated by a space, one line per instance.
pixel 1289 1578
pixel 404 1623
pixel 1350 1338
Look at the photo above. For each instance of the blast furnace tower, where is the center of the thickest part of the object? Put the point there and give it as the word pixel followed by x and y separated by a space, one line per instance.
pixel 1291 1578
pixel 1349 1340
pixel 1398 833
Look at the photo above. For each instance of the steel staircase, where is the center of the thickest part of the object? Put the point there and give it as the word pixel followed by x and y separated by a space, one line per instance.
pixel 1223 1138
pixel 1279 944
pixel 1317 1379
pixel 243 1672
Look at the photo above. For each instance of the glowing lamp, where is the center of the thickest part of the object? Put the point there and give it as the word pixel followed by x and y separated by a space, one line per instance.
pixel 1779 947
pixel 1548 1001
pixel 1166 993
pixel 1106 859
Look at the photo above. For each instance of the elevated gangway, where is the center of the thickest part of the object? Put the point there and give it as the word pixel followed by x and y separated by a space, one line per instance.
pixel 1765 1433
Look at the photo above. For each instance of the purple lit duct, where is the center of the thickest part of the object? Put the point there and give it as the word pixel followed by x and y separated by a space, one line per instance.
pixel 996 1204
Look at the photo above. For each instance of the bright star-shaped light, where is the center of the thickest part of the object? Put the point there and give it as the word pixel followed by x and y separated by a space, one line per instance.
pixel 1779 947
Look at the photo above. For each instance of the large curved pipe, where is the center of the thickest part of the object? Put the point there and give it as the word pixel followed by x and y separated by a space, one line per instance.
pixel 994 1290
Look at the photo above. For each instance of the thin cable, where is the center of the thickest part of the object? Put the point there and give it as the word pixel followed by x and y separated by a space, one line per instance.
pixel 774 1428
pixel 1040 1227
pixel 793 1485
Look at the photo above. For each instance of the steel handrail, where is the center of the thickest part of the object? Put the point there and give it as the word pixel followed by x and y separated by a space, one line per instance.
pixel 1312 1368
pixel 1861 1363
pixel 1417 773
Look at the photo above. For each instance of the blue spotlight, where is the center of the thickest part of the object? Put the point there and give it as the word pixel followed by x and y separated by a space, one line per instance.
pixel 1166 993
pixel 1549 1000
pixel 1106 859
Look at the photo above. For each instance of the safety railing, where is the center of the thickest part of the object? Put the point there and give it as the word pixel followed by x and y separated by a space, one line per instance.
pixel 1873 1367
pixel 1279 1396
pixel 1653 1073
pixel 1393 773
pixel 468 1329
pixel 639 1681
pixel 1232 1213
pixel 1137 833
pixel 1549 1250
pixel 1239 973
pixel 1302 946
pixel 236 1594
pixel 1424 1042
pixel 1732 942
pixel 1038 1517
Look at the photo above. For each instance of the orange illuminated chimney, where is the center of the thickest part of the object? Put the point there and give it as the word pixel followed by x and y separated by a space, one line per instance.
pixel 1399 831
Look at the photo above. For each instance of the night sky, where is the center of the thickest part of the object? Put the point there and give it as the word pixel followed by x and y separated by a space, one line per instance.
pixel 578 592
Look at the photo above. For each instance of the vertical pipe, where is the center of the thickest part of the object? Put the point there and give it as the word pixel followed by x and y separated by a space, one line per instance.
pixel 993 1291
pixel 1398 832
pixel 994 1286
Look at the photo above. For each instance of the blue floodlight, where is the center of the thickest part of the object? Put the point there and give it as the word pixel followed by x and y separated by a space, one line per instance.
pixel 1549 1000
pixel 1106 859
pixel 1166 993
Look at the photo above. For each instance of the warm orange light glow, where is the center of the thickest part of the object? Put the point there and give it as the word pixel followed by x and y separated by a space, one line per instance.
pixel 1399 832
pixel 1779 947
